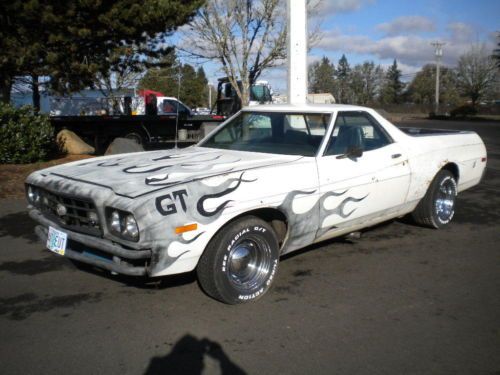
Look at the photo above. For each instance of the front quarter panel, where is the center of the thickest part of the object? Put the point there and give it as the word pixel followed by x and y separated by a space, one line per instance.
pixel 213 202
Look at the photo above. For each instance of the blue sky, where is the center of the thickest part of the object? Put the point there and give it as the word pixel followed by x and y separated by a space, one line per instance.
pixel 383 30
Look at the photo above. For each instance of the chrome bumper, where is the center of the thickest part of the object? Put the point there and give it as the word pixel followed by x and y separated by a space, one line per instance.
pixel 119 257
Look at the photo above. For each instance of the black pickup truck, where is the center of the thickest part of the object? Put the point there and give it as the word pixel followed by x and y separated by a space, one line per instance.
pixel 149 130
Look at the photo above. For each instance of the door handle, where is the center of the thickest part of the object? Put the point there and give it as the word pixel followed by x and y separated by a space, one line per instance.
pixel 395 156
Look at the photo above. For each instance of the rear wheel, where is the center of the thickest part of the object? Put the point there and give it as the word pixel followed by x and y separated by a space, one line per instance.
pixel 240 262
pixel 437 207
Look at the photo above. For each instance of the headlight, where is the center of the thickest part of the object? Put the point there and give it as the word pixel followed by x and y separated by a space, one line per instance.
pixel 131 228
pixel 115 222
pixel 122 224
pixel 33 195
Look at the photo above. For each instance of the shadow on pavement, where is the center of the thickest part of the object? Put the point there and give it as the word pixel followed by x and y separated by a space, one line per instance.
pixel 188 357
pixel 144 282
pixel 18 225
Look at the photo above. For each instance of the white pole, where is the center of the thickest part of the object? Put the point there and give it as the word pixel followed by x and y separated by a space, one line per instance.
pixel 209 96
pixel 297 51
pixel 439 53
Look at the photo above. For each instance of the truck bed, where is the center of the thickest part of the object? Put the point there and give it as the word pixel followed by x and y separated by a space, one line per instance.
pixel 420 132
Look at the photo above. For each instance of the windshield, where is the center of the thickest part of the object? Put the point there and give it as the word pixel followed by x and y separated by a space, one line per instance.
pixel 274 133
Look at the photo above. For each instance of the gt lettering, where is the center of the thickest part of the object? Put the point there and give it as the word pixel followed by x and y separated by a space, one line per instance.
pixel 171 207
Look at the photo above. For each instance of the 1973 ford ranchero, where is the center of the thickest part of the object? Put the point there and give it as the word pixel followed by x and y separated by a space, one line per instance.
pixel 270 180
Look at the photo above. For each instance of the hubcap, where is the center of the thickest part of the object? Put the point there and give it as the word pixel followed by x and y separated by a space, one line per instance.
pixel 445 200
pixel 249 263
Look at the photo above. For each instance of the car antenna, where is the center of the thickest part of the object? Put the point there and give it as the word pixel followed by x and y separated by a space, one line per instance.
pixel 177 107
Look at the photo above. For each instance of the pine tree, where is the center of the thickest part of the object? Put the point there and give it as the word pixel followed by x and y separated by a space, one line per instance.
pixel 322 77
pixel 343 76
pixel 72 41
pixel 393 87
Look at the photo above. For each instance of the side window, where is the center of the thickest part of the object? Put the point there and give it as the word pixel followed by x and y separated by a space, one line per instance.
pixel 169 106
pixel 356 130
pixel 248 128
pixel 295 122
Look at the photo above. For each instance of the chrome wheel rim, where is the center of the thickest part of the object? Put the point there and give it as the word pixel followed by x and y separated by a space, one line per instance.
pixel 445 200
pixel 249 263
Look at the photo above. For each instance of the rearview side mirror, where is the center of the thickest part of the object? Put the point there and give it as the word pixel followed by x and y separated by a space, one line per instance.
pixel 353 152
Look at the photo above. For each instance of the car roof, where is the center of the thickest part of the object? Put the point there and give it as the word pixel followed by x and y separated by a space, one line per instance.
pixel 304 108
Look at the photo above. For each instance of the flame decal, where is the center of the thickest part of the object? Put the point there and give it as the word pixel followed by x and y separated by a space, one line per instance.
pixel 222 206
pixel 168 157
pixel 155 169
pixel 186 242
pixel 305 227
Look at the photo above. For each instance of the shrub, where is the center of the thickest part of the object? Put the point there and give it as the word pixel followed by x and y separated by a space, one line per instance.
pixel 463 111
pixel 24 136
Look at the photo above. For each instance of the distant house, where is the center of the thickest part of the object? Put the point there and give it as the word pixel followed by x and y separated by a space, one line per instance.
pixel 321 98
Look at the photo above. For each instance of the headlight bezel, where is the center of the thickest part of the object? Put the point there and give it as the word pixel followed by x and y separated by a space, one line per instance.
pixel 115 216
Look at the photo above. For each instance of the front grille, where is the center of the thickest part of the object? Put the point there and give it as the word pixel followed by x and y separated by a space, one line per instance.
pixel 76 217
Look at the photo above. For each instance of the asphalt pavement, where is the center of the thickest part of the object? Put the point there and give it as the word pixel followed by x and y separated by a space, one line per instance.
pixel 400 300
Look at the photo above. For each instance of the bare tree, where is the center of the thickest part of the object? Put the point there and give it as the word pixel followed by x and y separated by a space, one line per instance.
pixel 476 73
pixel 245 37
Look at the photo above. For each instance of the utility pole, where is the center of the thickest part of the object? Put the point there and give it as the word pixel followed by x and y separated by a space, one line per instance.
pixel 438 52
pixel 297 51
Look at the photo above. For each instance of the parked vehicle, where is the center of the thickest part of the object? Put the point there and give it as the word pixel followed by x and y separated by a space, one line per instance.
pixel 155 122
pixel 228 102
pixel 271 180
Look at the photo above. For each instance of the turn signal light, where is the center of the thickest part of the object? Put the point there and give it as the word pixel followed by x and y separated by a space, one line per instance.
pixel 186 228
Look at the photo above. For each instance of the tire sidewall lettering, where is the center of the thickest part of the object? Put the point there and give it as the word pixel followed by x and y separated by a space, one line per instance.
pixel 224 259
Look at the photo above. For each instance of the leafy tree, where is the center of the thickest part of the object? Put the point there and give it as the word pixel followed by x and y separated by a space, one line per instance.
pixel 476 74
pixel 421 89
pixel 322 77
pixel 193 83
pixel 73 41
pixel 393 87
pixel 343 76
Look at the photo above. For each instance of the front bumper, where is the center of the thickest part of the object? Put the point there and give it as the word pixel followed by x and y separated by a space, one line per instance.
pixel 82 247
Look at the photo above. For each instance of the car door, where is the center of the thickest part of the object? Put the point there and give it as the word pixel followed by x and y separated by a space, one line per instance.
pixel 363 174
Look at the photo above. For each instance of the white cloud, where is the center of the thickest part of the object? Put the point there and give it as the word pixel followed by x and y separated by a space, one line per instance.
pixel 460 32
pixel 406 24
pixel 411 50
pixel 329 7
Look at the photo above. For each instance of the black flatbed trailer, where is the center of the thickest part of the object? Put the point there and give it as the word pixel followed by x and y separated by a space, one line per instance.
pixel 149 130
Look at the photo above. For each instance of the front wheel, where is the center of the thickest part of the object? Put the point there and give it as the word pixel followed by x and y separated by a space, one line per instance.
pixel 136 137
pixel 240 262
pixel 437 207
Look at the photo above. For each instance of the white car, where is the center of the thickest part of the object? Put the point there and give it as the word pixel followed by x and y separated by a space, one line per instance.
pixel 270 180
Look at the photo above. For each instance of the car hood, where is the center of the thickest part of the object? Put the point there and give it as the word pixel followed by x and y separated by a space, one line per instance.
pixel 137 174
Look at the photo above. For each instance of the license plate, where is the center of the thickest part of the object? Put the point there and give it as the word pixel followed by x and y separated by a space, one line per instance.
pixel 56 241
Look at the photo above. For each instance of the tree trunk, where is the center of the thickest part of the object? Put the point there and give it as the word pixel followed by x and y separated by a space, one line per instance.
pixel 6 84
pixel 36 92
